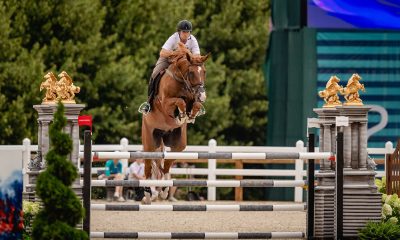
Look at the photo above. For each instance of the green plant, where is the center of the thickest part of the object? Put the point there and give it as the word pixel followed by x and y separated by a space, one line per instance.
pixel 62 210
pixel 390 208
pixel 380 230
pixel 30 210
pixel 381 184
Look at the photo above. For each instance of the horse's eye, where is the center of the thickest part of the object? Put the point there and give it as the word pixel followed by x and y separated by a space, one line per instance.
pixel 191 75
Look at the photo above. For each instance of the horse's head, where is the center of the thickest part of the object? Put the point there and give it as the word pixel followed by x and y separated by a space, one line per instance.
pixel 193 72
pixel 333 83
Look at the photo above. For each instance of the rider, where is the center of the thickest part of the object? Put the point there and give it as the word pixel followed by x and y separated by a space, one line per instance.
pixel 183 35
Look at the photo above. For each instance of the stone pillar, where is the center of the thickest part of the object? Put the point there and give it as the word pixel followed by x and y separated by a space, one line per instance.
pixel 46 113
pixel 327 140
pixel 347 147
pixel 44 136
pixel 324 192
pixel 359 191
pixel 354 144
pixel 362 164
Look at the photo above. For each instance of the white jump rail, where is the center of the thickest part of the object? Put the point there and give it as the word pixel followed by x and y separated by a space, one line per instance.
pixel 222 155
pixel 200 235
pixel 198 183
pixel 212 171
pixel 205 207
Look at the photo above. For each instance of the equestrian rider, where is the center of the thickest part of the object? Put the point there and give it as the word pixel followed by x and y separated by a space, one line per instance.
pixel 183 35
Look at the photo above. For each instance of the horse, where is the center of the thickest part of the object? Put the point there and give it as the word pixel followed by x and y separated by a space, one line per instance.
pixel 50 86
pixel 65 88
pixel 330 92
pixel 350 92
pixel 177 102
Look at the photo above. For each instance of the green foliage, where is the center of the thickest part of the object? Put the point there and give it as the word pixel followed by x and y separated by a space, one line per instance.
pixel 391 208
pixel 381 184
pixel 110 47
pixel 62 209
pixel 379 231
pixel 30 209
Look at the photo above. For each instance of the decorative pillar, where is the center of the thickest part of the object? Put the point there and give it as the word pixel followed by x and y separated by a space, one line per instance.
pixel 44 136
pixel 354 144
pixel 46 112
pixel 347 147
pixel 324 192
pixel 363 146
pixel 327 146
pixel 359 190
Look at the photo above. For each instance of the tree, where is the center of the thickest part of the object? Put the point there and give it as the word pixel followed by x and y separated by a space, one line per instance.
pixel 62 209
pixel 110 49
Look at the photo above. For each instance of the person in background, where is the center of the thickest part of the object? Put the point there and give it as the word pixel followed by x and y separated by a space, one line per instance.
pixel 136 172
pixel 113 171
pixel 172 190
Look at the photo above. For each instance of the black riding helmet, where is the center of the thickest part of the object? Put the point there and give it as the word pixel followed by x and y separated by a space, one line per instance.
pixel 184 25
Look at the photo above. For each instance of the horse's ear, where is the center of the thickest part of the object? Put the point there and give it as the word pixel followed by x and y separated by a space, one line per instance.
pixel 204 58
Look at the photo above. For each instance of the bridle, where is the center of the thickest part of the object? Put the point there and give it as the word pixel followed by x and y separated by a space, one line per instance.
pixel 184 79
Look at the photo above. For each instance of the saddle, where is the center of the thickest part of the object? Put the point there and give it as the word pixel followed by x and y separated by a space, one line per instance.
pixel 154 86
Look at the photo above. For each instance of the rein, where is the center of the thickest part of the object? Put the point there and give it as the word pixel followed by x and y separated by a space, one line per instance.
pixel 182 79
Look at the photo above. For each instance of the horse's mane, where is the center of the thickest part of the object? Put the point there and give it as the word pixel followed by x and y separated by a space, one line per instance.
pixel 182 53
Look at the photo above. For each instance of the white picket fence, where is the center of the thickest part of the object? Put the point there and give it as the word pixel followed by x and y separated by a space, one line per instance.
pixel 298 173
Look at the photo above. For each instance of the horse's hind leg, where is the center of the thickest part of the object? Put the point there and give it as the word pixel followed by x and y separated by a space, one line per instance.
pixel 167 176
pixel 149 142
pixel 177 141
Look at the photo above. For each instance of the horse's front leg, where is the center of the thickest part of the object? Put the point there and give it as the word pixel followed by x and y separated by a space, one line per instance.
pixel 171 104
pixel 196 111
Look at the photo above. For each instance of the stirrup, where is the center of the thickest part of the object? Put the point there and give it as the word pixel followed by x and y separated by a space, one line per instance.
pixel 144 108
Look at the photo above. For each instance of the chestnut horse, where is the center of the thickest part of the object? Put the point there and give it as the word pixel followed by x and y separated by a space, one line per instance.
pixel 176 103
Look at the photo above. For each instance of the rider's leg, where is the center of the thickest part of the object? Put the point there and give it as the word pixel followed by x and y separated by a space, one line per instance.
pixel 161 65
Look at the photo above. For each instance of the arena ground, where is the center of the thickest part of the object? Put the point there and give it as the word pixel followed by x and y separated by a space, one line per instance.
pixel 168 221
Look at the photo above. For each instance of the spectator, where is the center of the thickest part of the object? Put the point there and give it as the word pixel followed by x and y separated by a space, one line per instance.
pixel 136 172
pixel 172 190
pixel 113 171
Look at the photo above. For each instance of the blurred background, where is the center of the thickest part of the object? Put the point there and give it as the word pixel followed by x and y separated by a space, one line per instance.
pixel 269 58
pixel 109 49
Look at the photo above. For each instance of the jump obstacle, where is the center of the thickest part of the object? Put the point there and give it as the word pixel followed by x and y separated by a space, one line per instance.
pixel 200 208
pixel 204 235
pixel 198 183
pixel 310 156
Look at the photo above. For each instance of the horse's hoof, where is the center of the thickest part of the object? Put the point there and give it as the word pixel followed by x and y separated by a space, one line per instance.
pixel 191 120
pixel 164 193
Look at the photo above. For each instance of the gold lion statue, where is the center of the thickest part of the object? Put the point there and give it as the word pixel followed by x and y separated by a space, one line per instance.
pixel 350 92
pixel 330 94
